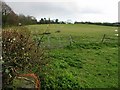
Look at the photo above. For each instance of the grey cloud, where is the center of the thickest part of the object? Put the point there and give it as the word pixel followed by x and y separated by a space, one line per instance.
pixel 42 8
pixel 90 10
pixel 60 10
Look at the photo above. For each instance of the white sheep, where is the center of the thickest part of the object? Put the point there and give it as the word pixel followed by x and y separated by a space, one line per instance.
pixel 116 34
pixel 116 30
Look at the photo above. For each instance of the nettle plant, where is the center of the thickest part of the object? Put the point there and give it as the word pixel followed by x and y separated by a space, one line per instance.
pixel 19 53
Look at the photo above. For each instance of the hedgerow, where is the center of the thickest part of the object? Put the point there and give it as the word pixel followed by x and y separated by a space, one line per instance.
pixel 20 54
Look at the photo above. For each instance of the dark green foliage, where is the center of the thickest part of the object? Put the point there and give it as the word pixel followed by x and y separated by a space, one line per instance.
pixel 99 23
pixel 45 21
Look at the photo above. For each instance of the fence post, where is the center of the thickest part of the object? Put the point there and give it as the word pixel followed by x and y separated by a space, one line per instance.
pixel 71 40
pixel 48 41
pixel 103 38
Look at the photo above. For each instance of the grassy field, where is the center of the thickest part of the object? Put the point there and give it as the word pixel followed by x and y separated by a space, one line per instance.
pixel 84 63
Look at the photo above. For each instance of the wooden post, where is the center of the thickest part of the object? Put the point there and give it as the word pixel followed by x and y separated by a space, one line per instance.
pixel 48 40
pixel 103 38
pixel 71 40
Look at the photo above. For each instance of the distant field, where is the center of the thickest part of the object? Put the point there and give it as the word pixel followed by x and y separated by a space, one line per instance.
pixel 82 32
pixel 81 61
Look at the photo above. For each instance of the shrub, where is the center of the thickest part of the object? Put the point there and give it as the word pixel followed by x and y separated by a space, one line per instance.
pixel 20 53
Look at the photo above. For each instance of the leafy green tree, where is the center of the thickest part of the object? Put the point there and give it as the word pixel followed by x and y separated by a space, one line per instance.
pixel 56 21
pixel 41 21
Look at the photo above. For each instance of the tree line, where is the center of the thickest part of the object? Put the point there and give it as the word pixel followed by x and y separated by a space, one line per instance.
pixel 49 21
pixel 10 18
pixel 100 23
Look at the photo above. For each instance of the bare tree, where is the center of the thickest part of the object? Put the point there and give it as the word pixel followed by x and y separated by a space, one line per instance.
pixel 6 10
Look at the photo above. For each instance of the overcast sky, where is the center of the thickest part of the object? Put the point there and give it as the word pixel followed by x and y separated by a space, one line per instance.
pixel 75 10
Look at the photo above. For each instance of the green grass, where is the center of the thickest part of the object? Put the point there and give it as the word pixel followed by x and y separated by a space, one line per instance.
pixel 86 64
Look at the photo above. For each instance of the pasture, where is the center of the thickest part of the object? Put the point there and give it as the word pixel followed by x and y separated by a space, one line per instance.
pixel 77 56
pixel 85 63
